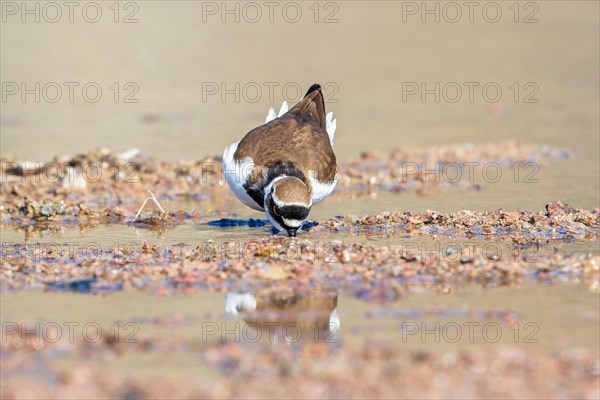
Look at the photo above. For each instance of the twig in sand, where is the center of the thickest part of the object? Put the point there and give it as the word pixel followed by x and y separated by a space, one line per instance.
pixel 154 199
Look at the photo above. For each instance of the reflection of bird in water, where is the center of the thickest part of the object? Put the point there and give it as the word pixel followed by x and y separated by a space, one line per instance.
pixel 290 314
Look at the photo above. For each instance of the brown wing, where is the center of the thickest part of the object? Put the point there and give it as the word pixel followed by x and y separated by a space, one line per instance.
pixel 299 137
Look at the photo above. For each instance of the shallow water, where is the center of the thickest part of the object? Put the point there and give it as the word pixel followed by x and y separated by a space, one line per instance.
pixel 535 317
pixel 171 55
pixel 193 234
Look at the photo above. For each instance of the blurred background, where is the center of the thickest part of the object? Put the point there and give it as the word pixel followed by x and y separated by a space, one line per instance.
pixel 182 79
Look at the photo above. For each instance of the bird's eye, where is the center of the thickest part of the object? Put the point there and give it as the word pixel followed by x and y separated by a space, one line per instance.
pixel 274 209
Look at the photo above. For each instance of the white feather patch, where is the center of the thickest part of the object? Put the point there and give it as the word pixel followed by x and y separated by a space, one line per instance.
pixel 294 223
pixel 331 126
pixel 284 108
pixel 237 173
pixel 320 190
pixel 271 115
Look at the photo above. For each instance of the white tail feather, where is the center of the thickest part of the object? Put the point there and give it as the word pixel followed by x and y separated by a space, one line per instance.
pixel 284 108
pixel 271 115
pixel 331 126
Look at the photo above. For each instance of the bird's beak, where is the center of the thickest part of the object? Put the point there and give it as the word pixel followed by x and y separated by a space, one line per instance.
pixel 292 232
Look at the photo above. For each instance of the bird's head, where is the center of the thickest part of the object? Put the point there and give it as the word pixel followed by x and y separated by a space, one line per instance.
pixel 287 204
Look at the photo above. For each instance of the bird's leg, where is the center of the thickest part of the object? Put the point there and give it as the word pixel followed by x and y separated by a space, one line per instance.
pixel 274 231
